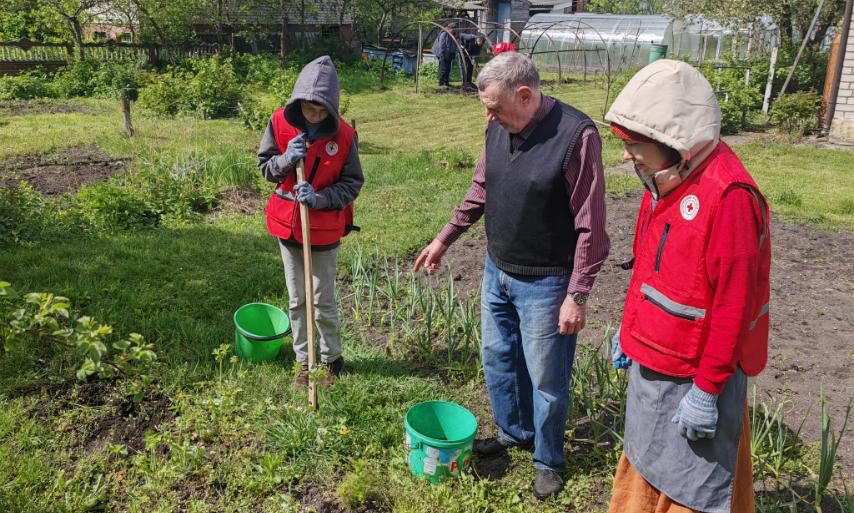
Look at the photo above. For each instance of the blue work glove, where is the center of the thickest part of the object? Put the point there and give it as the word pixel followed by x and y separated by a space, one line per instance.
pixel 294 152
pixel 621 361
pixel 697 414
pixel 305 194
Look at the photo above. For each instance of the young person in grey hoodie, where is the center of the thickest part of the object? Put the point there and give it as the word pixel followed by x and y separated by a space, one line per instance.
pixel 309 128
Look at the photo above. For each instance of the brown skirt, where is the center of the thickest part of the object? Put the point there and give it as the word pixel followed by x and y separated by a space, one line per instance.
pixel 632 494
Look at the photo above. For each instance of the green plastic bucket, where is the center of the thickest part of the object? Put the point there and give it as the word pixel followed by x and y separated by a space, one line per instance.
pixel 656 52
pixel 438 439
pixel 259 331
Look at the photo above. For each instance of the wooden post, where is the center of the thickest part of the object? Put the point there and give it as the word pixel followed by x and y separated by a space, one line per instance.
pixel 418 59
pixel 126 115
pixel 309 292
pixel 769 85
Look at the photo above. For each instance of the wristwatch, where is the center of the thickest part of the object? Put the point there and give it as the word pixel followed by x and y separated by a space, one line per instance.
pixel 580 298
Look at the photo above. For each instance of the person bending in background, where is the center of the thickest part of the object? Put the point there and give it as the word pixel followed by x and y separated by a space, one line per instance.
pixel 473 44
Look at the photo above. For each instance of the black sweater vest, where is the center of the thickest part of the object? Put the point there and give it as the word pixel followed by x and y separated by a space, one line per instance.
pixel 530 228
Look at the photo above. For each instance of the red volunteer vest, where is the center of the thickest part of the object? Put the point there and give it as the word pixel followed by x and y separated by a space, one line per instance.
pixel 323 163
pixel 668 310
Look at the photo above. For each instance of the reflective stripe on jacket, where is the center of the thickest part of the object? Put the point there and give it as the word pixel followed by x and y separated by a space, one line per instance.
pixel 323 163
pixel 667 315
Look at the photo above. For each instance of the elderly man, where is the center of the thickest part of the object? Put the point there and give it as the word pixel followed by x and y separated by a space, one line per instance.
pixel 539 180
pixel 695 321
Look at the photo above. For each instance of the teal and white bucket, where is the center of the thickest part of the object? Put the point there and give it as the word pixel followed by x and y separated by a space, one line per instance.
pixel 438 439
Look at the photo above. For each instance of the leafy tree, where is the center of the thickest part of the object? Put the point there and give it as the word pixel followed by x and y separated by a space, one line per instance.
pixel 626 6
pixel 28 19
pixel 375 18
pixel 75 14
pixel 793 17
pixel 160 21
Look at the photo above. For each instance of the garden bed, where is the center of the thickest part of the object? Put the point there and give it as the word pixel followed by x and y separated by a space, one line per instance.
pixel 812 311
pixel 23 108
pixel 67 170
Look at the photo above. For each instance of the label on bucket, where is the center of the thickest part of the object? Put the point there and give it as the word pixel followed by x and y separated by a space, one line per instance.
pixel 431 452
pixel 447 456
pixel 407 441
pixel 430 466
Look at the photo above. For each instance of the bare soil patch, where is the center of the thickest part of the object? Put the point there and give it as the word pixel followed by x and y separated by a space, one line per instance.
pixel 826 143
pixel 242 200
pixel 120 420
pixel 812 312
pixel 63 171
pixel 22 108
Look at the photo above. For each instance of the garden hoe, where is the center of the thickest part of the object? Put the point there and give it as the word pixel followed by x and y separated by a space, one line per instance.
pixel 309 292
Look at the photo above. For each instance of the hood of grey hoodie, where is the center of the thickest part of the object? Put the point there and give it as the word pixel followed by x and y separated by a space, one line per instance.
pixel 317 82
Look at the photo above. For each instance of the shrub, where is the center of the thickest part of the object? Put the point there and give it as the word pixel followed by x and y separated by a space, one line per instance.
pixel 797 112
pixel 166 94
pixel 736 99
pixel 117 79
pixel 257 69
pixel 207 87
pixel 108 207
pixel 26 86
pixel 177 190
pixel 214 91
pixel 76 79
pixel 22 213
pixel 283 84
pixel 43 318
pixel 255 115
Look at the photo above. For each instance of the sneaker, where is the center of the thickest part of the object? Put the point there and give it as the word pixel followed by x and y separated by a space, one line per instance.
pixel 547 483
pixel 301 379
pixel 333 370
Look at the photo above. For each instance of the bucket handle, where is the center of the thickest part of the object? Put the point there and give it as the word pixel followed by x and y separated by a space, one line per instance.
pixel 256 338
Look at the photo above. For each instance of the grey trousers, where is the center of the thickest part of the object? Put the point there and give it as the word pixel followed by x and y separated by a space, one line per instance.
pixel 323 268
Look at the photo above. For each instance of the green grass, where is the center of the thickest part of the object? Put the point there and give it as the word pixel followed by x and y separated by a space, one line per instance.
pixel 236 437
pixel 805 184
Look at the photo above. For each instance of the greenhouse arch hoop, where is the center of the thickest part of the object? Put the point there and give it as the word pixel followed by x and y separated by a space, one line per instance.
pixel 577 25
pixel 442 24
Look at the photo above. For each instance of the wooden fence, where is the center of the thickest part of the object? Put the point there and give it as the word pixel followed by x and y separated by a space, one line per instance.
pixel 19 56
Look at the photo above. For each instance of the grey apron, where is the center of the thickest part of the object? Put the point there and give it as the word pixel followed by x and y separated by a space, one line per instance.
pixel 698 475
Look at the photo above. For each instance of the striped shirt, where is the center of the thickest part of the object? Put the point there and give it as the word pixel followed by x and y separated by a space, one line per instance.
pixel 585 186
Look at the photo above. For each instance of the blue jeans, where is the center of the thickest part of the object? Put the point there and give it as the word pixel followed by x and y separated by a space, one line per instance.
pixel 526 361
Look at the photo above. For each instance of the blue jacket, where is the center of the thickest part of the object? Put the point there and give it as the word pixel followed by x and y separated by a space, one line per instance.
pixel 444 47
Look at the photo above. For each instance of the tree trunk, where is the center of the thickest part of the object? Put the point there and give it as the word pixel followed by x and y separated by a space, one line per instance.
pixel 283 31
pixel 786 24
pixel 154 24
pixel 380 28
pixel 77 33
pixel 302 22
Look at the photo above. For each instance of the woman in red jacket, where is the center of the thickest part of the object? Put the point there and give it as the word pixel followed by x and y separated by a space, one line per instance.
pixel 695 321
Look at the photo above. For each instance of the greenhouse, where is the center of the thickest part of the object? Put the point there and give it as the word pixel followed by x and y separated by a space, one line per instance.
pixel 603 43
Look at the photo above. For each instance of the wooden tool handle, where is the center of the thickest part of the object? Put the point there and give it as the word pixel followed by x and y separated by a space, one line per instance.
pixel 309 291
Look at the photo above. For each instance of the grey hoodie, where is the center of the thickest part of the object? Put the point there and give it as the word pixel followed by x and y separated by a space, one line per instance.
pixel 317 82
